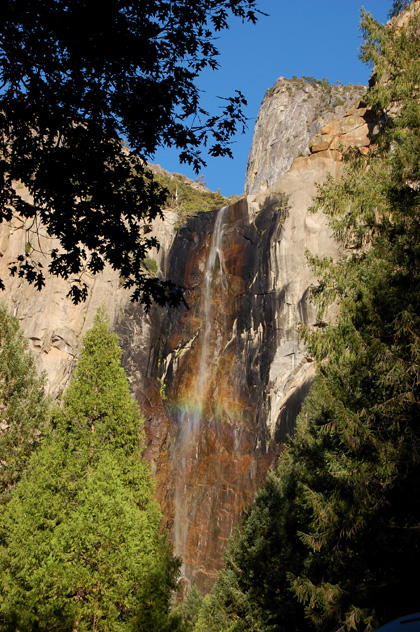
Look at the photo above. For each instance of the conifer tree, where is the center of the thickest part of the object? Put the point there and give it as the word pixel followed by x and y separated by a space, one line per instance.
pixel 23 405
pixel 189 608
pixel 83 545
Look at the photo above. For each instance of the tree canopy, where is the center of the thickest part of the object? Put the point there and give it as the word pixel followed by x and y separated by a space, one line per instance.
pixel 82 547
pixel 86 98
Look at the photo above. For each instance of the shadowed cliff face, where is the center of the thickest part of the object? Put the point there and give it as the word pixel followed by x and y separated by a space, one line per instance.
pixel 221 379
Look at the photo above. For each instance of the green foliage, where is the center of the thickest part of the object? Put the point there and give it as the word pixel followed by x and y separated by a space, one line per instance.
pixel 337 102
pixel 150 265
pixel 363 412
pixel 67 98
pixel 189 608
pixel 211 617
pixel 269 93
pixel 162 388
pixel 188 199
pixel 82 543
pixel 337 527
pixel 23 405
pixel 312 81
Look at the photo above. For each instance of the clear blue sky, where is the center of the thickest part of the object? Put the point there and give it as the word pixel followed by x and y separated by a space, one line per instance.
pixel 318 38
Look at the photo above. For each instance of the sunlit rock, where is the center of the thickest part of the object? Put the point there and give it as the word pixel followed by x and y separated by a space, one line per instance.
pixel 292 113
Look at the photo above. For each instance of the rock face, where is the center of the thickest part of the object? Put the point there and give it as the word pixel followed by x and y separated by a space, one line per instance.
pixel 51 322
pixel 356 128
pixel 53 325
pixel 292 112
pixel 221 380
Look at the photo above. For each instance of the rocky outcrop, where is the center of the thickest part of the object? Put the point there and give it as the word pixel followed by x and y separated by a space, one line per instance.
pixel 292 113
pixel 356 128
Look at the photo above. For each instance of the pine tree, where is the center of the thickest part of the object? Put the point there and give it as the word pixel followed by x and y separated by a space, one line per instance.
pixel 189 608
pixel 23 405
pixel 361 419
pixel 83 544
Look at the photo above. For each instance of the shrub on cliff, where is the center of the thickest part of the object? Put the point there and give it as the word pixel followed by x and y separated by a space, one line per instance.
pixel 189 200
pixel 83 548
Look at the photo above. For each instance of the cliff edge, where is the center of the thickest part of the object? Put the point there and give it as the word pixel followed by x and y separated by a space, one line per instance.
pixel 292 113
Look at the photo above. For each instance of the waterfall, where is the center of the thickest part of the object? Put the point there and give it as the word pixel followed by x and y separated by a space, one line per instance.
pixel 215 444
pixel 215 256
pixel 192 419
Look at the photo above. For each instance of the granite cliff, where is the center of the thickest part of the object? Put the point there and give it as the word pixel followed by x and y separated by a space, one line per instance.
pixel 221 379
pixel 292 113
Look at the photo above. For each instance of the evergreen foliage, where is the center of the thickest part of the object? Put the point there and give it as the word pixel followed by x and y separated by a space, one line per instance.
pixel 189 608
pixel 347 484
pixel 83 548
pixel 23 405
pixel 252 591
pixel 362 540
